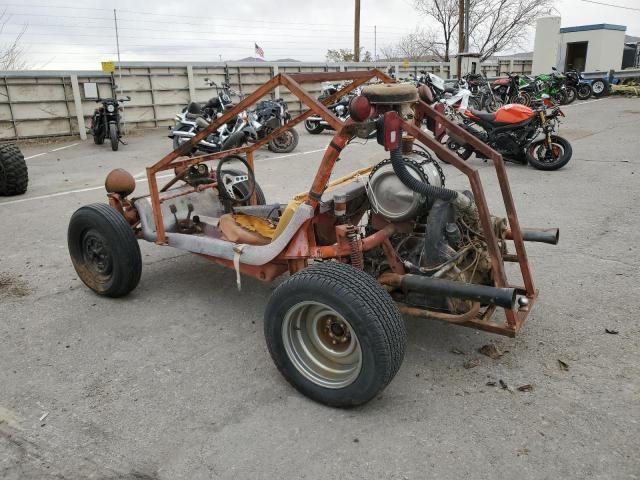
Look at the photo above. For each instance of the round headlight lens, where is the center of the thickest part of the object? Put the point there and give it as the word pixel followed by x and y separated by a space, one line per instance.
pixel 110 108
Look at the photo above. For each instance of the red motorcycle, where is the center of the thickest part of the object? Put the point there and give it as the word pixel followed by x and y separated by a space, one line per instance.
pixel 521 134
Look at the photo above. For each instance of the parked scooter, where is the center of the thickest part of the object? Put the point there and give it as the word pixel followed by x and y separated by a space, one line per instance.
pixel 521 134
pixel 106 121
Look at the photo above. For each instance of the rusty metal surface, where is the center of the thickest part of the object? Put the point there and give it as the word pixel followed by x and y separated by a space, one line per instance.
pixel 303 246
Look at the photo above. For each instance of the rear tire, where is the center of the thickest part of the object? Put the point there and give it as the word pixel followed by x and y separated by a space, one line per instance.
pixel 335 334
pixel 113 136
pixel 104 250
pixel 235 140
pixel 314 128
pixel 14 176
pixel 550 160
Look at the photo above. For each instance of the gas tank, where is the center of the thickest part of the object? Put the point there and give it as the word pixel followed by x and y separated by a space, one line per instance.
pixel 513 113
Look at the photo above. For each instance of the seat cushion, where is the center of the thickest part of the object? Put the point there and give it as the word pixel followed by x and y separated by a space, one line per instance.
pixel 244 230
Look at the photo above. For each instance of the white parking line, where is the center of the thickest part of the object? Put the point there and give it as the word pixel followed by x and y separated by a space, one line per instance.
pixel 51 151
pixel 581 103
pixel 144 179
pixel 62 148
pixel 70 192
pixel 36 155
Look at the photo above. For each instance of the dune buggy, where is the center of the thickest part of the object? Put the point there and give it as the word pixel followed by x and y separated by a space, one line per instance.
pixel 361 250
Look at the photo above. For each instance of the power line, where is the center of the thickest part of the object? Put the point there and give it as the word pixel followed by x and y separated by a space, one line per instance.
pixel 612 5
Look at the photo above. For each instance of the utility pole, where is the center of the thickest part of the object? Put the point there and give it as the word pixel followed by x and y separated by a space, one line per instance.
pixel 356 34
pixel 466 25
pixel 375 43
pixel 115 21
pixel 461 45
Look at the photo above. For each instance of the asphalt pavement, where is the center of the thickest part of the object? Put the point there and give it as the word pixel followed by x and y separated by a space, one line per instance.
pixel 175 381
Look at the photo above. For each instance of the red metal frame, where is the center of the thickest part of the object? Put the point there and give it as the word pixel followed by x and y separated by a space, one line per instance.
pixel 303 245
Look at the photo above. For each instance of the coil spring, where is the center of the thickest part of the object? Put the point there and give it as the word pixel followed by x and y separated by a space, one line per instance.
pixel 356 257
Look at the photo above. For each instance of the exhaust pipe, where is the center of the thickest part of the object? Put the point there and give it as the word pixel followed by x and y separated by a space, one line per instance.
pixel 502 297
pixel 320 120
pixel 542 235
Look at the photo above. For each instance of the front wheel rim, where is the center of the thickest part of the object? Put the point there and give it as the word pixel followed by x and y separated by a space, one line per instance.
pixel 322 345
pixel 548 155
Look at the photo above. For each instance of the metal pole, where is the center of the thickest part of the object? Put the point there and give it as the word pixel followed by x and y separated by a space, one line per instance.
pixel 356 34
pixel 460 36
pixel 115 21
pixel 375 43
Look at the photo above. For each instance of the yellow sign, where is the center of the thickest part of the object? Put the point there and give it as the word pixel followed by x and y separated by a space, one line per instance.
pixel 108 67
pixel 405 64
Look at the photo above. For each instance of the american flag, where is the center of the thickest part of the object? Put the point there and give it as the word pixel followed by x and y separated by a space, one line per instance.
pixel 259 50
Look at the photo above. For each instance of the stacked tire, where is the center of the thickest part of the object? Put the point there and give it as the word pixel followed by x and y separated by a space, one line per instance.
pixel 14 177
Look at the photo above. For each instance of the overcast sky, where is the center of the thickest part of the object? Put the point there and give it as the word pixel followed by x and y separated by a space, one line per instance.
pixel 78 35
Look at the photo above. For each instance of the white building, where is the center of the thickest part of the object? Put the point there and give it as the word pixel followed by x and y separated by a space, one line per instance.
pixel 587 48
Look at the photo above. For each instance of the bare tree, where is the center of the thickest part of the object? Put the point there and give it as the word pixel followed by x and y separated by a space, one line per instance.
pixel 494 25
pixel 12 53
pixel 346 55
pixel 445 13
pixel 414 46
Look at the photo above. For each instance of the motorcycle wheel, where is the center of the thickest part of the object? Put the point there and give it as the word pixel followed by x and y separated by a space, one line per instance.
pixel 522 98
pixel 312 127
pixel 584 91
pixel 234 141
pixel 463 151
pixel 571 95
pixel 98 136
pixel 113 135
pixel 600 88
pixel 284 143
pixel 549 159
pixel 493 105
pixel 474 103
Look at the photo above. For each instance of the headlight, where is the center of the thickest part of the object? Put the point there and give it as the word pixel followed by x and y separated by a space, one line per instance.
pixel 110 108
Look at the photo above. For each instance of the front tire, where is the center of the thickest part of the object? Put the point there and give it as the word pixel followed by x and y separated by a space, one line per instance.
pixel 549 159
pixel 335 334
pixel 570 95
pixel 284 143
pixel 104 250
pixel 14 176
pixel 314 128
pixel 584 91
pixel 113 136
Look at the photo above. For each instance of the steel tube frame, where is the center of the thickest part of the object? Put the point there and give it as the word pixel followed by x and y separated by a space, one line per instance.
pixel 344 133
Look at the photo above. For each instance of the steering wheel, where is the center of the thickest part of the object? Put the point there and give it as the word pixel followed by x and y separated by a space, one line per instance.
pixel 231 186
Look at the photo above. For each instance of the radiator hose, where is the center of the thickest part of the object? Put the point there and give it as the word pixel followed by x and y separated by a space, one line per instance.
pixel 401 170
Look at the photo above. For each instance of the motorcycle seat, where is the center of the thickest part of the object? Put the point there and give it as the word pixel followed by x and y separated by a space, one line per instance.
pixel 485 116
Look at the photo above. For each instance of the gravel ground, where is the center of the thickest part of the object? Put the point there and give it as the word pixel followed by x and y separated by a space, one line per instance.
pixel 175 381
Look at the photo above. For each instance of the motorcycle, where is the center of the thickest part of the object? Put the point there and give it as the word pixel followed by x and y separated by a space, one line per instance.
pixel 316 125
pixel 510 89
pixel 106 121
pixel 270 115
pixel 521 134
pixel 555 86
pixel 575 79
pixel 235 133
pixel 482 95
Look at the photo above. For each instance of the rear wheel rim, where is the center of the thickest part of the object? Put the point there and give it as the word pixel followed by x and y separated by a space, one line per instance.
pixel 597 87
pixel 322 345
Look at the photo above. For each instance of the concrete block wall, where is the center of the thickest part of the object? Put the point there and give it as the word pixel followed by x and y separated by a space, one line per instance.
pixel 43 103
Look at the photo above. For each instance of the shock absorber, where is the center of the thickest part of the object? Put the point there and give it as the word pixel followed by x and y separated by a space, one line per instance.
pixel 357 259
